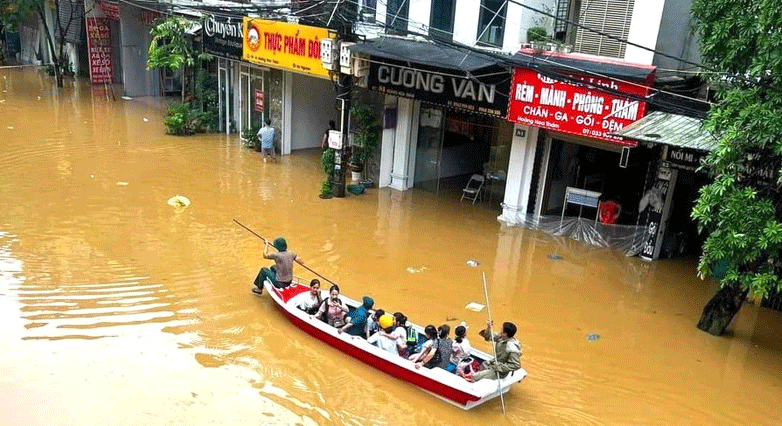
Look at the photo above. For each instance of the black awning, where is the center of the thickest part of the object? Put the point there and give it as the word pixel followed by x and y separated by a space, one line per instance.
pixel 584 64
pixel 425 53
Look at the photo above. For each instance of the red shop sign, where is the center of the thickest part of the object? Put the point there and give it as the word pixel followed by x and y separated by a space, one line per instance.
pixel 577 108
pixel 99 50
pixel 259 100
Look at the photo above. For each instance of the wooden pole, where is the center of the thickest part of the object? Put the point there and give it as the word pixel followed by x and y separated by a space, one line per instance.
pixel 493 345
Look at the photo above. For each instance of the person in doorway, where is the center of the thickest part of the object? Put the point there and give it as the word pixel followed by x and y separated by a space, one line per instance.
pixel 507 350
pixel 266 136
pixel 325 142
pixel 281 274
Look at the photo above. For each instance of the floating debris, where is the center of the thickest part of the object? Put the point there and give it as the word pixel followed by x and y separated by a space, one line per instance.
pixel 92 176
pixel 554 257
pixel 10 127
pixel 593 337
pixel 476 307
pixel 127 98
pixel 146 119
pixel 473 263
pixel 122 184
pixel 415 269
pixel 179 201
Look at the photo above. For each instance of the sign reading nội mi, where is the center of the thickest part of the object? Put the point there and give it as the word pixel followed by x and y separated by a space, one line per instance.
pixel 291 47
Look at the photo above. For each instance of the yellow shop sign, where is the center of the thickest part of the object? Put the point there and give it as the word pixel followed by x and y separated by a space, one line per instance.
pixel 282 45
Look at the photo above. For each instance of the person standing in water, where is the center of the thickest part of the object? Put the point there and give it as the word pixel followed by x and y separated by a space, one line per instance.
pixel 266 138
pixel 281 274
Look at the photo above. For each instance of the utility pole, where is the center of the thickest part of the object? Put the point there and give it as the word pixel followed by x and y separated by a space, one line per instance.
pixel 344 94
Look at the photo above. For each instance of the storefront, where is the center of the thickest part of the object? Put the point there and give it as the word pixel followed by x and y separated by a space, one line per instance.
pixel 667 200
pixel 284 80
pixel 444 117
pixel 222 38
pixel 565 159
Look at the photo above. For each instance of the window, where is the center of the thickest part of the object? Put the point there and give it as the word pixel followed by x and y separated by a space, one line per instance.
pixel 491 25
pixel 396 16
pixel 441 23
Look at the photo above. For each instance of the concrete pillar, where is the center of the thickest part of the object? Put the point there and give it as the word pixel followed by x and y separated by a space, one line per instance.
pixel 287 113
pixel 387 144
pixel 517 188
pixel 405 138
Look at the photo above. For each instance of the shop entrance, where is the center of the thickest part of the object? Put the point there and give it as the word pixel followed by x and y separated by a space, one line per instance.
pixel 587 167
pixel 681 238
pixel 454 145
pixel 253 97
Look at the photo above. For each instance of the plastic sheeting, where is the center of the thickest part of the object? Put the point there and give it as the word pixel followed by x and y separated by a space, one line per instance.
pixel 627 239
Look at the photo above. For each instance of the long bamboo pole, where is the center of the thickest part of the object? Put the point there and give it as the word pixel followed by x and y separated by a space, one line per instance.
pixel 493 344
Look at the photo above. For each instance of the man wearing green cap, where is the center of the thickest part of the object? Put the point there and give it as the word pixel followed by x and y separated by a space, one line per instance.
pixel 281 274
pixel 357 320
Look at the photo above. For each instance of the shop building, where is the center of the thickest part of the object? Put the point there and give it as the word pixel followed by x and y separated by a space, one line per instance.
pixel 283 79
pixel 566 160
pixel 222 38
pixel 443 116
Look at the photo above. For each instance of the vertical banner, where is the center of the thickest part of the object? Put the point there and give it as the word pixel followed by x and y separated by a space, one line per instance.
pixel 259 100
pixel 99 50
pixel 658 201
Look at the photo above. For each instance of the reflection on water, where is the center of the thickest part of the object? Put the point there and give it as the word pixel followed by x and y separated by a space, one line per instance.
pixel 117 308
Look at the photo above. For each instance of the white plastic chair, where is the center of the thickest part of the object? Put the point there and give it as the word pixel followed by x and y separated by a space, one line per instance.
pixel 473 189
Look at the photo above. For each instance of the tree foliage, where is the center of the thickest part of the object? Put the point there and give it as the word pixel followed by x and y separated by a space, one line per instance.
pixel 172 48
pixel 742 208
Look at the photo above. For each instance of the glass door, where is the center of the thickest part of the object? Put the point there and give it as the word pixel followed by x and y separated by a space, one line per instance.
pixel 429 149
pixel 244 98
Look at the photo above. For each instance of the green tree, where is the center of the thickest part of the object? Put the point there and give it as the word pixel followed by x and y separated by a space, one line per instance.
pixel 172 48
pixel 741 209
pixel 14 12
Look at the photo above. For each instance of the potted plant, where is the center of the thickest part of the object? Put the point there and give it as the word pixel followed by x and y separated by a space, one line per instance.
pixel 250 137
pixel 327 164
pixel 365 139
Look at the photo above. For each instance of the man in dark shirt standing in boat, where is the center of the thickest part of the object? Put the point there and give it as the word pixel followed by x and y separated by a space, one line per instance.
pixel 281 274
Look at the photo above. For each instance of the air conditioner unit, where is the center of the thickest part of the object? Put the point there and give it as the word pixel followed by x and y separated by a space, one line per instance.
pixel 344 57
pixel 329 49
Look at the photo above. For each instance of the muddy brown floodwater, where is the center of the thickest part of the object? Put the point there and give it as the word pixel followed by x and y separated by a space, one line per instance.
pixel 118 309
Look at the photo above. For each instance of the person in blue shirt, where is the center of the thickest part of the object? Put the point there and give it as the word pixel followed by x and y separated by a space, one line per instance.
pixel 357 320
pixel 266 136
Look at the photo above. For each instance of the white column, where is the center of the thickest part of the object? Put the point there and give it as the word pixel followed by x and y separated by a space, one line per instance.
pixel 542 176
pixel 404 141
pixel 644 29
pixel 287 112
pixel 522 161
pixel 387 145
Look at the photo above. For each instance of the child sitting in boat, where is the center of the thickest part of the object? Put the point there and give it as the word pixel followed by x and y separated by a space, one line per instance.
pixel 373 326
pixel 312 302
pixel 383 339
pixel 460 349
pixel 333 309
pixel 356 321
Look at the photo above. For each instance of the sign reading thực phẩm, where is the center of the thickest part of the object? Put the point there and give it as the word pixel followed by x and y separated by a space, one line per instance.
pixel 291 47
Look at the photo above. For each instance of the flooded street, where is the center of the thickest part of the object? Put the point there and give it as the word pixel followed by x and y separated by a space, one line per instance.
pixel 116 308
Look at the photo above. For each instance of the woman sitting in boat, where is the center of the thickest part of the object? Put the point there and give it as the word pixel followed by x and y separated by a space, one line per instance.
pixel 356 321
pixel 382 339
pixel 444 346
pixel 333 309
pixel 312 303
pixel 460 349
pixel 428 355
